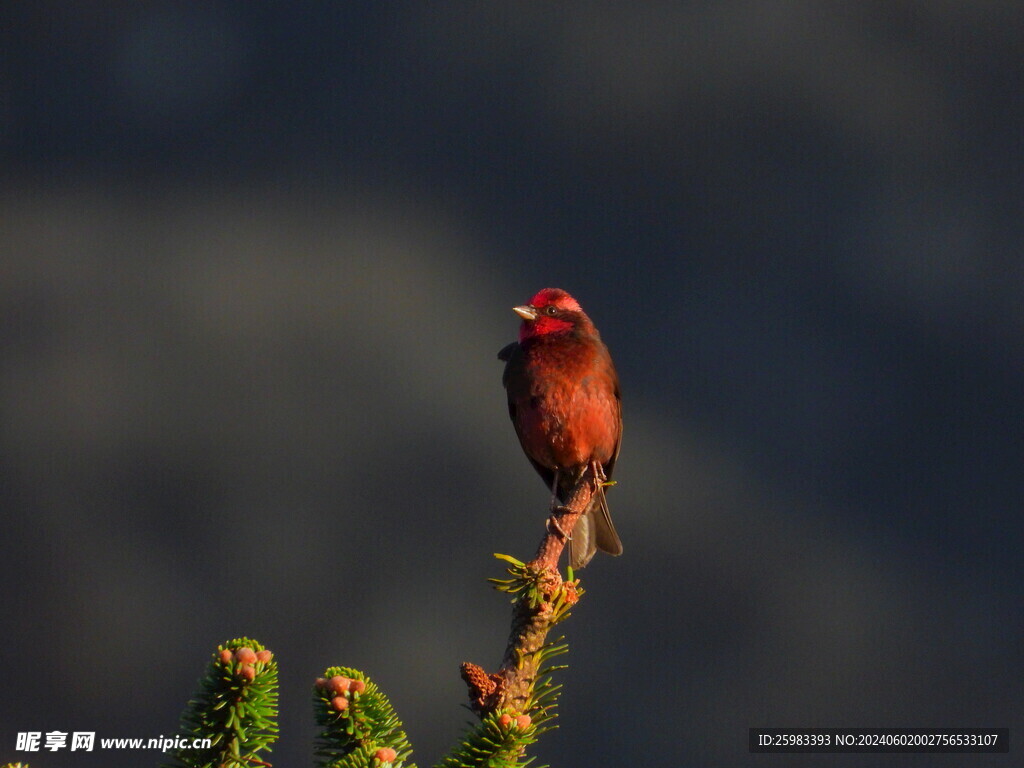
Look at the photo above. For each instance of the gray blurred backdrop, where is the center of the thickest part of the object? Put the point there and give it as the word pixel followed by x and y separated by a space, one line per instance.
pixel 255 264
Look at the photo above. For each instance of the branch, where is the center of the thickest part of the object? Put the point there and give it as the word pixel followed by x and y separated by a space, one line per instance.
pixel 235 708
pixel 544 599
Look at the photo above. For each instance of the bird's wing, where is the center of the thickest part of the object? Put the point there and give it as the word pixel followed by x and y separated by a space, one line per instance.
pixel 618 405
pixel 512 356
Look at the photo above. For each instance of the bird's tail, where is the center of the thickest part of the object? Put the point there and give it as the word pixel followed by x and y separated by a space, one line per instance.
pixel 594 530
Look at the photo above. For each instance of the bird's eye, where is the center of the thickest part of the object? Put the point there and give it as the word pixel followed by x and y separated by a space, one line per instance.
pixel 550 310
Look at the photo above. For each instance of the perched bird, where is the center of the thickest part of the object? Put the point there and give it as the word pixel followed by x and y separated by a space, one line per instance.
pixel 563 397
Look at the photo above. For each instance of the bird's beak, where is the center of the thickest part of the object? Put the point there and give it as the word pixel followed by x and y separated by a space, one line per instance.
pixel 526 312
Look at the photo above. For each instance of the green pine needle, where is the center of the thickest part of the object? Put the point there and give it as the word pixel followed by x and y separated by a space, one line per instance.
pixel 356 720
pixel 235 707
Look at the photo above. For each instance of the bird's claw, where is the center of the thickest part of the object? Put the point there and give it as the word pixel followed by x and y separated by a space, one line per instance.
pixel 557 512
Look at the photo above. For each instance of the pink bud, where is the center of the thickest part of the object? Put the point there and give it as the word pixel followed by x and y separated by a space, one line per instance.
pixel 340 703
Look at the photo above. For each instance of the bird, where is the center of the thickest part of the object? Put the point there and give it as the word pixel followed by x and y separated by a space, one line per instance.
pixel 566 407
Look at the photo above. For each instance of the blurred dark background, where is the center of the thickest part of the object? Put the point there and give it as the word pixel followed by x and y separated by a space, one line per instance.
pixel 255 264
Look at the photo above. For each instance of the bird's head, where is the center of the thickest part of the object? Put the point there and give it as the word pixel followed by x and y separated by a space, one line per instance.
pixel 551 310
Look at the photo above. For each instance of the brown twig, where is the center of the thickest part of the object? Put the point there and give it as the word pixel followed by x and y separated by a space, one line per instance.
pixel 510 687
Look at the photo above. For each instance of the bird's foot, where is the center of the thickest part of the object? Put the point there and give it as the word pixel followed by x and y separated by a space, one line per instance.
pixel 556 513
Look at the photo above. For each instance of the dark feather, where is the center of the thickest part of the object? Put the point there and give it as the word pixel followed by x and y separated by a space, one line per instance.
pixel 505 353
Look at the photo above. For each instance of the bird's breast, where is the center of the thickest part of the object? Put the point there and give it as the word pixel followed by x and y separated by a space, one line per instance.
pixel 568 412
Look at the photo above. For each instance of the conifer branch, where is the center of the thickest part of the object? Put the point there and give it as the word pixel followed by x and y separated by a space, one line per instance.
pixel 542 600
pixel 235 708
pixel 236 705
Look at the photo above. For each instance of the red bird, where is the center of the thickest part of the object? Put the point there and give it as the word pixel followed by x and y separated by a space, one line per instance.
pixel 563 397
